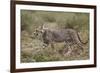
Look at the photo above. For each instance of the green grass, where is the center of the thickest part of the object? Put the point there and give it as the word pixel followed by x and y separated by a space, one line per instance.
pixel 32 48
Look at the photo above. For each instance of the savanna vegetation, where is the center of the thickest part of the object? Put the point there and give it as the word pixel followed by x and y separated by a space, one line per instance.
pixel 32 47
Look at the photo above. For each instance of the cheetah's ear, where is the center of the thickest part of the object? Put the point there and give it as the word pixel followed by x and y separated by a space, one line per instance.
pixel 43 27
